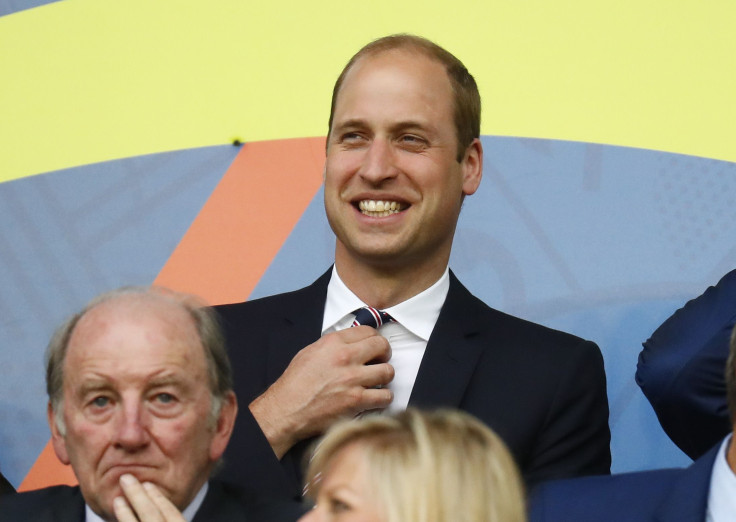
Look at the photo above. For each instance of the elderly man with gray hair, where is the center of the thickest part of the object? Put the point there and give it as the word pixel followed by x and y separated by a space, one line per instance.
pixel 140 398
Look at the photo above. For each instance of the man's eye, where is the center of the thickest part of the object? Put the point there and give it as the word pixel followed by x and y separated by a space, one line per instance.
pixel 100 402
pixel 164 398
pixel 412 139
pixel 351 137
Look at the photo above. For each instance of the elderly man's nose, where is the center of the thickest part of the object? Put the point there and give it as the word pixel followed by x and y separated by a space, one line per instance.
pixel 131 430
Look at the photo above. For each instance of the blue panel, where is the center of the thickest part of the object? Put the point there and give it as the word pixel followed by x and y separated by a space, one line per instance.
pixel 69 235
pixel 601 241
pixel 12 6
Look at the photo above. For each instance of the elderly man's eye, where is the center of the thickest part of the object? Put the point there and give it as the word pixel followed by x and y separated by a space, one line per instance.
pixel 100 402
pixel 165 398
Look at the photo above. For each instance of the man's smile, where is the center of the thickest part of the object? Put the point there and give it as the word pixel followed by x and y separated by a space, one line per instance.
pixel 373 208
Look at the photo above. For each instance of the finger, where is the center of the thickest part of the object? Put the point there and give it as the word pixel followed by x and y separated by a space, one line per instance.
pixel 139 500
pixel 371 350
pixel 169 511
pixel 376 398
pixel 123 513
pixel 373 375
pixel 355 334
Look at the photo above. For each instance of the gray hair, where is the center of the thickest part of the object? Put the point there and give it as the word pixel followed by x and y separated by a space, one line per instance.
pixel 219 371
pixel 731 377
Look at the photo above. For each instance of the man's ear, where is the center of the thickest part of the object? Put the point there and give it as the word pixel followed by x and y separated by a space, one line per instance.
pixel 57 439
pixel 224 426
pixel 472 165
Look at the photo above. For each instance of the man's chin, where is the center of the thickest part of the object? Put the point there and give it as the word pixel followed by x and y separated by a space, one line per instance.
pixel 109 489
pixel 103 505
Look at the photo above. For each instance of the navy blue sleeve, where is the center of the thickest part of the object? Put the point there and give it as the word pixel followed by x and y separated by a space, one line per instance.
pixel 681 369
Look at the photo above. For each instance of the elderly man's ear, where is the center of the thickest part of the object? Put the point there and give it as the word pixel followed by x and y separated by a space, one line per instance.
pixel 224 426
pixel 57 440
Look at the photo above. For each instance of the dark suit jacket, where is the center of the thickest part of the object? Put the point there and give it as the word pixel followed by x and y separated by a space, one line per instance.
pixel 667 495
pixel 223 502
pixel 542 391
pixel 681 369
pixel 5 486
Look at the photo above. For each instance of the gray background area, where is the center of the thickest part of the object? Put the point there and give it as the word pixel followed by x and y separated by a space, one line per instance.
pixel 69 235
pixel 601 241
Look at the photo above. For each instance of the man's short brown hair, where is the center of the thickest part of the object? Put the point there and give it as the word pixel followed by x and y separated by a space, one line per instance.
pixel 467 97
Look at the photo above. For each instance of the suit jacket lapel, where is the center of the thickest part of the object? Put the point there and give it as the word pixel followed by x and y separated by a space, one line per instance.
pixel 70 509
pixel 688 498
pixel 451 354
pixel 301 325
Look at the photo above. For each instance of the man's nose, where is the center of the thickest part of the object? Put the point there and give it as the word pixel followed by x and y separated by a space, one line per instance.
pixel 132 428
pixel 378 163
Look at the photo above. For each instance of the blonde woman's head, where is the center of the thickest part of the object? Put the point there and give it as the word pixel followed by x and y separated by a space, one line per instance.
pixel 414 467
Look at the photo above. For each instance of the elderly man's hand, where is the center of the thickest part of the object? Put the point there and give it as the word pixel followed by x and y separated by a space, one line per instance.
pixel 143 503
pixel 339 375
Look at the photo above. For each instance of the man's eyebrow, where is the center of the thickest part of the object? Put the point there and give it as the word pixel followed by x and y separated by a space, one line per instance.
pixel 166 380
pixel 349 124
pixel 93 385
pixel 396 127
pixel 410 124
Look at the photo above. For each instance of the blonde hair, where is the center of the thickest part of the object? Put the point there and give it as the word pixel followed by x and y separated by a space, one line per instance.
pixel 429 467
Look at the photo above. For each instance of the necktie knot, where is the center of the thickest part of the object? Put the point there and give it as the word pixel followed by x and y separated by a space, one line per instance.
pixel 369 316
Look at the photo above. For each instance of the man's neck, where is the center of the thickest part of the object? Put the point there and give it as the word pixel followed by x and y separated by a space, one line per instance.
pixel 731 455
pixel 383 287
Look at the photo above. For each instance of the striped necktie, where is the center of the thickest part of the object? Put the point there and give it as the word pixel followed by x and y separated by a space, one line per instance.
pixel 374 317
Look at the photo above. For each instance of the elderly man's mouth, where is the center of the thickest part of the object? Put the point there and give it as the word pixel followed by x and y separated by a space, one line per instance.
pixel 373 208
pixel 133 469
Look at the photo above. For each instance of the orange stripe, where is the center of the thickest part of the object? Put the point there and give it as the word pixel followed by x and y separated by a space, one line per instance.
pixel 233 240
pixel 246 220
pixel 47 471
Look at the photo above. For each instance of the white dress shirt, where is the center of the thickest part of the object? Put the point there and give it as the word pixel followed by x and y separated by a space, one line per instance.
pixel 408 336
pixel 188 513
pixel 722 495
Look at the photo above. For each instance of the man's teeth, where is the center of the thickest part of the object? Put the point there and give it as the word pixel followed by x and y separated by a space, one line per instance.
pixel 374 208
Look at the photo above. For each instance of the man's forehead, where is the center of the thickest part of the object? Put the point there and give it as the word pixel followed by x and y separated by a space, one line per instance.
pixel 124 328
pixel 148 309
pixel 396 55
pixel 395 74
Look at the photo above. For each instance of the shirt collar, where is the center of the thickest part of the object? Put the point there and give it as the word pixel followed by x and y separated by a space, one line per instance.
pixel 188 513
pixel 417 314
pixel 722 493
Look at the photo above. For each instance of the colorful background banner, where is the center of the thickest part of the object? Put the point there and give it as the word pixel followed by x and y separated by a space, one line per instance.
pixel 607 200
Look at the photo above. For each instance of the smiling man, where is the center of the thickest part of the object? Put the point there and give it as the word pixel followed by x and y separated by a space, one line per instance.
pixel 403 151
pixel 140 387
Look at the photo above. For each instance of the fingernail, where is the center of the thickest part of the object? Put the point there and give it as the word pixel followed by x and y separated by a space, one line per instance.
pixel 127 479
pixel 148 486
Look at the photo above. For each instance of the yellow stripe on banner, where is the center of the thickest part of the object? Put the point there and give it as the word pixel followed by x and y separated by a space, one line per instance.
pixel 86 81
